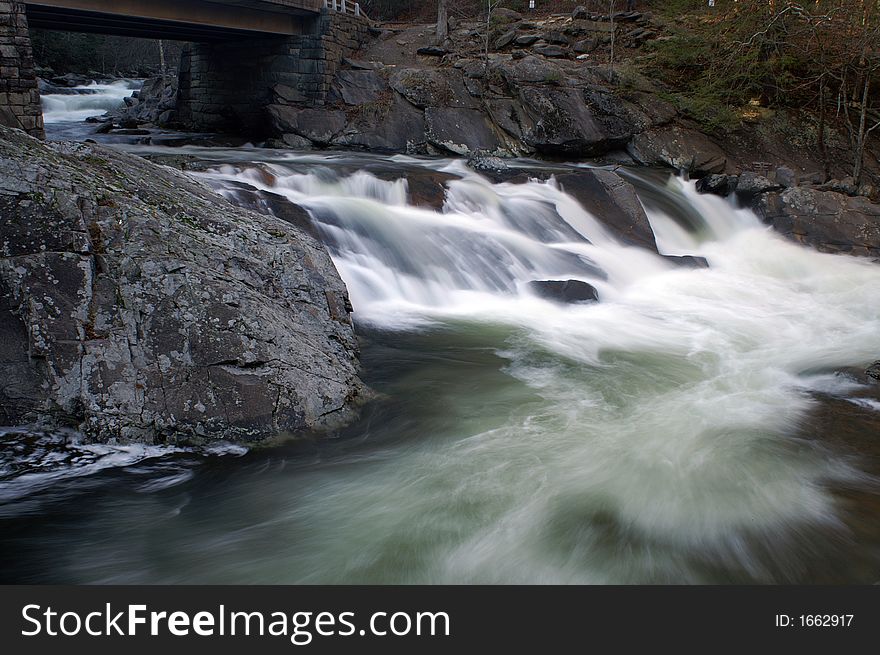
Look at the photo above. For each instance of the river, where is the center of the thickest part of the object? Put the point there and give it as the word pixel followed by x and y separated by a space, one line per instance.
pixel 697 425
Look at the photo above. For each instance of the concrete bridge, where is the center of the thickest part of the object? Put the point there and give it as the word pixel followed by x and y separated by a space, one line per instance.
pixel 244 53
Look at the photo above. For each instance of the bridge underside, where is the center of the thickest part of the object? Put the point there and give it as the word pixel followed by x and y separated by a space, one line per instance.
pixel 183 20
pixel 246 55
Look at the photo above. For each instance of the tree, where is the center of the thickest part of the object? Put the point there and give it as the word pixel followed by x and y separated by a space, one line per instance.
pixel 442 21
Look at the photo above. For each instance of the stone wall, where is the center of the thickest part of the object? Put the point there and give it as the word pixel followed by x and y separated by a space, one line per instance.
pixel 227 86
pixel 19 94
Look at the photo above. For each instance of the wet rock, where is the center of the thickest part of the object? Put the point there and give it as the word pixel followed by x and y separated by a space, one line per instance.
pixel 459 131
pixel 562 124
pixel 319 126
pixel 509 115
pixel 425 188
pixel 137 305
pixel 486 163
pixel 750 184
pixel 392 126
pixel 719 185
pixel 296 142
pixel 825 220
pixel 873 371
pixel 613 202
pixel 357 87
pixel 679 148
pixel 565 291
pixel 687 261
pixel 155 104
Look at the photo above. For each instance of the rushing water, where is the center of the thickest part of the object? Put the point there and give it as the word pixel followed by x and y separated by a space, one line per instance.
pixel 666 434
pixel 73 105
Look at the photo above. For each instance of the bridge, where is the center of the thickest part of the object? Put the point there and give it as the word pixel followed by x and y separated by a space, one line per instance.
pixel 184 20
pixel 242 51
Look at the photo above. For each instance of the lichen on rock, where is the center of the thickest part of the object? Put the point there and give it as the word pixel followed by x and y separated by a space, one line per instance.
pixel 137 305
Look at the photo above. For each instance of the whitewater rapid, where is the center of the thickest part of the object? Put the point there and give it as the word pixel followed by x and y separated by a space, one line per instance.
pixel 81 102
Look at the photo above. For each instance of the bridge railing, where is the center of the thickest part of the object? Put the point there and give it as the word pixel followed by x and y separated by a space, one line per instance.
pixel 345 7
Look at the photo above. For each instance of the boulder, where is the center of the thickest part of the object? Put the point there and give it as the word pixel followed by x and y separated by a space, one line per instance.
pixel 509 115
pixel 585 46
pixel 487 163
pixel 618 118
pixel 553 51
pixel 751 184
pixel 825 220
pixel 786 177
pixel 432 51
pixel 459 131
pixel 296 142
pixel 394 126
pixel 504 15
pixel 564 291
pixel 679 148
pixel 613 202
pixel 873 371
pixel 319 126
pixel 431 87
pixel 580 13
pixel 284 94
pixel 528 70
pixel 562 124
pixel 357 87
pixel 719 185
pixel 687 261
pixel 556 38
pixel 527 39
pixel 505 39
pixel 137 305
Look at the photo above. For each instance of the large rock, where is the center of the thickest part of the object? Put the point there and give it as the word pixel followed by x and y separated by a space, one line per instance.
pixel 430 87
pixel 529 70
pixel 719 185
pixel 563 124
pixel 570 292
pixel 827 221
pixel 750 185
pixel 136 304
pixel 509 115
pixel 154 104
pixel 679 148
pixel 550 50
pixel 459 131
pixel 357 87
pixel 394 126
pixel 612 201
pixel 319 126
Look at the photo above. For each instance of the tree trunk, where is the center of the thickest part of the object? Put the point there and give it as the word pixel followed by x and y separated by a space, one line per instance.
pixel 861 135
pixel 613 30
pixel 161 56
pixel 823 147
pixel 442 21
